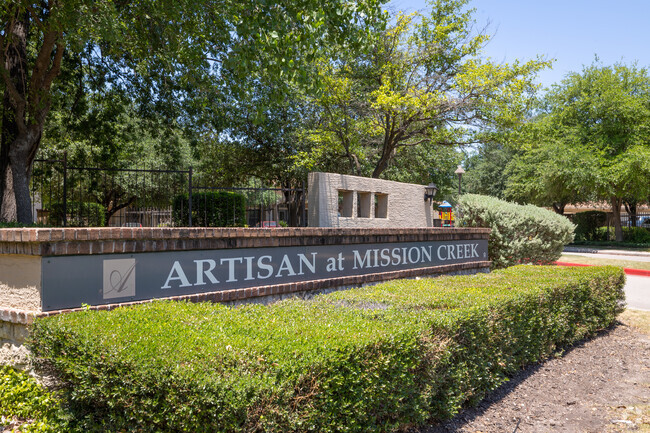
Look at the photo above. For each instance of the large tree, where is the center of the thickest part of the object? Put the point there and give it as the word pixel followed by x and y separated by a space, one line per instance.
pixel 103 129
pixel 425 83
pixel 551 174
pixel 603 113
pixel 257 142
pixel 172 55
pixel 486 168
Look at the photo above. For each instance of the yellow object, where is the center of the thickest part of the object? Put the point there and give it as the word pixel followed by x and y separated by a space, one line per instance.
pixel 448 216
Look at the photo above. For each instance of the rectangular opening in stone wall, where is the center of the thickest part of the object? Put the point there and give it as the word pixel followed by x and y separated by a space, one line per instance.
pixel 363 204
pixel 381 205
pixel 346 199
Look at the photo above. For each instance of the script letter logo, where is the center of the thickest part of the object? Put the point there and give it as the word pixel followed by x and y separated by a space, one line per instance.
pixel 119 278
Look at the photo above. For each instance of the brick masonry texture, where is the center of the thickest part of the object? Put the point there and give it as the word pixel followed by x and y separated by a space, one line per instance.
pixel 73 241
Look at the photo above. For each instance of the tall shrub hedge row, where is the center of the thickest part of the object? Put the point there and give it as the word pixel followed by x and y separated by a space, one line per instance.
pixel 637 237
pixel 79 214
pixel 520 234
pixel 587 224
pixel 210 209
pixel 375 359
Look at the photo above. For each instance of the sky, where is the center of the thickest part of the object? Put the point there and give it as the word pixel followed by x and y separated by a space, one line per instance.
pixel 572 32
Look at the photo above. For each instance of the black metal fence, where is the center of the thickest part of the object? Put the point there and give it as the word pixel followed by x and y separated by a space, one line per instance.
pixel 641 219
pixel 67 195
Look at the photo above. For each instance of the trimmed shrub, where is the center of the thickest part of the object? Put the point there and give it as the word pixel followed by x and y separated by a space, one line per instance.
pixel 79 214
pixel 210 209
pixel 375 359
pixel 520 234
pixel 636 235
pixel 587 224
pixel 14 224
pixel 26 404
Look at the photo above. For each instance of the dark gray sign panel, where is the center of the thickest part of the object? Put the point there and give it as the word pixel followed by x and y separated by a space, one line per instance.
pixel 70 281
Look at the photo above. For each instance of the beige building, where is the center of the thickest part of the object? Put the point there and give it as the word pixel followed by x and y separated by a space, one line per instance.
pixel 337 200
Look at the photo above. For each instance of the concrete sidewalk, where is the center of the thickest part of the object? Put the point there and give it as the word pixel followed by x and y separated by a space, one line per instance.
pixel 601 252
pixel 637 292
pixel 610 256
pixel 637 288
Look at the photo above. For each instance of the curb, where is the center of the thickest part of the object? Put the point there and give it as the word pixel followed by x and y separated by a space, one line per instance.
pixel 628 271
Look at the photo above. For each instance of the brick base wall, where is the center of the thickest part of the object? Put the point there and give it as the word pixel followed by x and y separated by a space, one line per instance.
pixel 12 341
pixel 14 322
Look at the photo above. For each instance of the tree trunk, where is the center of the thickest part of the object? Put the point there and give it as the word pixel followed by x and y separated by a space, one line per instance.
pixel 20 171
pixel 8 209
pixel 15 67
pixel 25 105
pixel 559 208
pixel 384 159
pixel 7 134
pixel 293 199
pixel 630 208
pixel 616 210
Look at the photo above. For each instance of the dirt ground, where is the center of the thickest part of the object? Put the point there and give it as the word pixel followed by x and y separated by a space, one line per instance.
pixel 600 385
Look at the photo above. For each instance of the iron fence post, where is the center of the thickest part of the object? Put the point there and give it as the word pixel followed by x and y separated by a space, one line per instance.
pixel 189 205
pixel 65 189
pixel 303 204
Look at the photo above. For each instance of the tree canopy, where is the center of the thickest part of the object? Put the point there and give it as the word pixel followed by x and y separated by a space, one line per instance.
pixel 266 90
pixel 178 59
pixel 587 142
pixel 424 84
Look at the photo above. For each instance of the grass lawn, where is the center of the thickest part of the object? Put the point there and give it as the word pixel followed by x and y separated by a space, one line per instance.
pixel 632 264
pixel 637 319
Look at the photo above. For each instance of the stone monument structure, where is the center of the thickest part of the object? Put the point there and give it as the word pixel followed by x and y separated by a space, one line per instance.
pixel 343 201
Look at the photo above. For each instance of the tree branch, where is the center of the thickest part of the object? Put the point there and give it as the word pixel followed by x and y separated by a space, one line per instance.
pixel 35 17
pixel 424 140
pixel 41 64
pixel 55 69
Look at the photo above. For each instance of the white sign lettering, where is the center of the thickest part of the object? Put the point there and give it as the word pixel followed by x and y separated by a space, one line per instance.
pixel 313 264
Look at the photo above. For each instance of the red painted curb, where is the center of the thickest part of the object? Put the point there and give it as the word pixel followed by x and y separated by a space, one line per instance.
pixel 641 272
pixel 628 271
pixel 570 264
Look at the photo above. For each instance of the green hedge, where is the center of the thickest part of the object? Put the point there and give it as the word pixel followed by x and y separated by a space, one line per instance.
pixel 15 224
pixel 210 209
pixel 587 224
pixel 520 234
pixel 636 235
pixel 365 360
pixel 27 405
pixel 632 236
pixel 79 214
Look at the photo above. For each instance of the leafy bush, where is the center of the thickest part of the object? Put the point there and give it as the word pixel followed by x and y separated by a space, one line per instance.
pixel 587 224
pixel 632 237
pixel 374 359
pixel 636 235
pixel 520 234
pixel 25 403
pixel 210 209
pixel 14 224
pixel 79 214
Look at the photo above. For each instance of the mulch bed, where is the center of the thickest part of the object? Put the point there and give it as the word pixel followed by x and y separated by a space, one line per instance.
pixel 587 389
